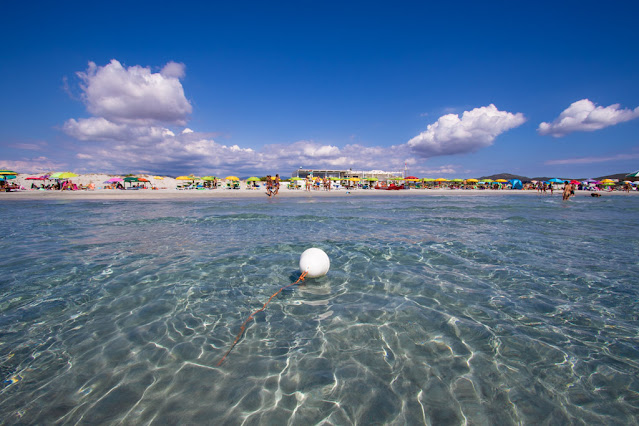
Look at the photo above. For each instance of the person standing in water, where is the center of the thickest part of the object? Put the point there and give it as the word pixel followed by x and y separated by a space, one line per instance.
pixel 276 184
pixel 269 185
pixel 567 190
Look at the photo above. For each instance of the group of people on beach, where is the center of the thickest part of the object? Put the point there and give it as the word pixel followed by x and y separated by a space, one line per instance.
pixel 317 183
pixel 272 185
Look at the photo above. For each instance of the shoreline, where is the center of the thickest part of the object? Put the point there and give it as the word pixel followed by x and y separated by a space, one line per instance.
pixel 148 194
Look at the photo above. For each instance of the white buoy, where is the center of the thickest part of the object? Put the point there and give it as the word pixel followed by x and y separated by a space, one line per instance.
pixel 314 262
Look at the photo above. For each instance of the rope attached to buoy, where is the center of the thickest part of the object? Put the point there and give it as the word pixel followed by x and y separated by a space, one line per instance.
pixel 243 327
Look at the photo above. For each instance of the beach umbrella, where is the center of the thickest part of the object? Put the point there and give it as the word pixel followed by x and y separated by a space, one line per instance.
pixel 256 179
pixel 8 174
pixel 555 180
pixel 411 177
pixel 472 180
pixel 131 179
pixel 501 180
pixel 232 178
pixel 574 182
pixel 354 179
pixel 55 175
pixel 158 177
pixel 67 175
pixel 186 178
pixel 428 180
pixel 209 178
pixel 294 178
pixel 115 179
pixel 441 180
pixel 487 181
pixel 607 181
pixel 457 180
pixel 634 175
pixel 36 178
pixel 335 178
pixel 372 179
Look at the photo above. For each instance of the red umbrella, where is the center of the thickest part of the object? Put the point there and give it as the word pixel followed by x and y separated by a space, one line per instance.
pixel 574 182
pixel 36 178
pixel 410 177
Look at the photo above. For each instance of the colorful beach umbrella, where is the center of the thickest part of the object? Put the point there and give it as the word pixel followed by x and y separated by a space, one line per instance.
pixel 634 175
pixel 158 177
pixel 232 178
pixel 256 179
pixel 115 179
pixel 501 180
pixel 441 180
pixel 8 174
pixel 209 178
pixel 472 180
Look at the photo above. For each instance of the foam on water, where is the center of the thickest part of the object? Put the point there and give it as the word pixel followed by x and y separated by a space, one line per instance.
pixel 480 310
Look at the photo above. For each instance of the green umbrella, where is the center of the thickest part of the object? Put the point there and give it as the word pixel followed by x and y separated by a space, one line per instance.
pixel 253 179
pixel 131 179
pixel 296 178
pixel 335 178
pixel 456 180
pixel 55 175
pixel 372 179
pixel 209 178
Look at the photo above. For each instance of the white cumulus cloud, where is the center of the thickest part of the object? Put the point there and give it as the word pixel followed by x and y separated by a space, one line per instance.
pixel 135 94
pixel 476 129
pixel 584 116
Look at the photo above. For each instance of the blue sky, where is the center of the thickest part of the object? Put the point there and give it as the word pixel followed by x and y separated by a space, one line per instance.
pixel 455 89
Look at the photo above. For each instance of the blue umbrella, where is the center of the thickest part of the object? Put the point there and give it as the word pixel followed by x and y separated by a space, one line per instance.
pixel 555 180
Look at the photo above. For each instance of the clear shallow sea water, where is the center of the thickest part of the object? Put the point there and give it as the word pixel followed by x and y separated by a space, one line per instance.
pixel 440 310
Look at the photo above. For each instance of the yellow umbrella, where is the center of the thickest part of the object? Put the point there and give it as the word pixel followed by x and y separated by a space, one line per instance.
pixel 441 180
pixel 158 177
pixel 607 181
pixel 501 180
pixel 185 178
pixel 354 179
pixel 232 178
pixel 67 175
pixel 472 180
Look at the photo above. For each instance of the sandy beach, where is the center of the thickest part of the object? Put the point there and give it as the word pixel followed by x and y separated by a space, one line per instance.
pixel 167 189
